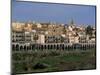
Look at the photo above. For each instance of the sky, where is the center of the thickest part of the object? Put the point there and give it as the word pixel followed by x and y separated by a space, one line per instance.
pixel 51 12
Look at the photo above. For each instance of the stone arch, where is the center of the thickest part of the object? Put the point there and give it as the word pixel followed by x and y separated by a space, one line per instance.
pixel 17 47
pixel 13 47
pixel 60 46
pixel 37 46
pixel 44 46
pixel 54 46
pixel 33 47
pixel 66 47
pixel 92 45
pixel 41 47
pixel 57 46
pixel 21 48
pixel 51 46
pixel 89 46
pixel 29 47
pixel 80 46
pixel 74 47
pixel 71 47
pixel 83 47
pixel 25 48
pixel 48 47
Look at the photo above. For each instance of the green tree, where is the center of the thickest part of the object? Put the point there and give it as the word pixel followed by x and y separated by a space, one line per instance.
pixel 89 30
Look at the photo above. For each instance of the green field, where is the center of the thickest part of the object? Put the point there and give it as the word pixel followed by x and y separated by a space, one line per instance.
pixel 48 61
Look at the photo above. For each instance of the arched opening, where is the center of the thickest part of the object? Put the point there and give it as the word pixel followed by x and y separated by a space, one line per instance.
pixel 63 47
pixel 57 47
pixel 41 47
pixel 87 46
pixel 17 47
pixel 21 48
pixel 66 47
pixel 51 46
pixel 74 47
pixel 70 47
pixel 29 47
pixel 54 46
pixel 25 47
pixel 80 47
pixel 83 47
pixel 93 46
pixel 44 46
pixel 48 47
pixel 33 47
pixel 60 46
pixel 13 47
pixel 37 46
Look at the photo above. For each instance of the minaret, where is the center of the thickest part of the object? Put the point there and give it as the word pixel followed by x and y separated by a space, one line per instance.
pixel 71 25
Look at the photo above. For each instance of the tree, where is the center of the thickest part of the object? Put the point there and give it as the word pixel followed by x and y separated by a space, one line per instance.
pixel 89 30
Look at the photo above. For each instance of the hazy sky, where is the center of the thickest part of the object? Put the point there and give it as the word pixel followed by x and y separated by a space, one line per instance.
pixel 60 13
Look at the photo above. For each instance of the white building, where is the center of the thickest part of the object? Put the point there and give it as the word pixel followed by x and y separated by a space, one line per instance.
pixel 41 39
pixel 27 36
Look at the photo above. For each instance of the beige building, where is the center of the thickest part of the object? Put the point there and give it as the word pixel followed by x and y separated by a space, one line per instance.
pixel 41 39
pixel 50 32
pixel 17 26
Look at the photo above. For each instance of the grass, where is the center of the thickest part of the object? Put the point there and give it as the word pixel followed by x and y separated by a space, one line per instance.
pixel 56 61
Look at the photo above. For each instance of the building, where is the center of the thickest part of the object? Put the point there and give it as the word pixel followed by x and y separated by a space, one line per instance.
pixel 41 39
pixel 27 36
pixel 18 36
pixel 37 35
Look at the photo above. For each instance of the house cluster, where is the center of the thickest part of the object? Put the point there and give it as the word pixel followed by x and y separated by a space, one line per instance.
pixel 51 33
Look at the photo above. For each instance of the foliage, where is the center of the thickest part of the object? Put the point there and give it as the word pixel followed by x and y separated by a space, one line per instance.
pixel 43 61
pixel 89 30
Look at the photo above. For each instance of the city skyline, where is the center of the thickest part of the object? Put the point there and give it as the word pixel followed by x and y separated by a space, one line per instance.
pixel 59 13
